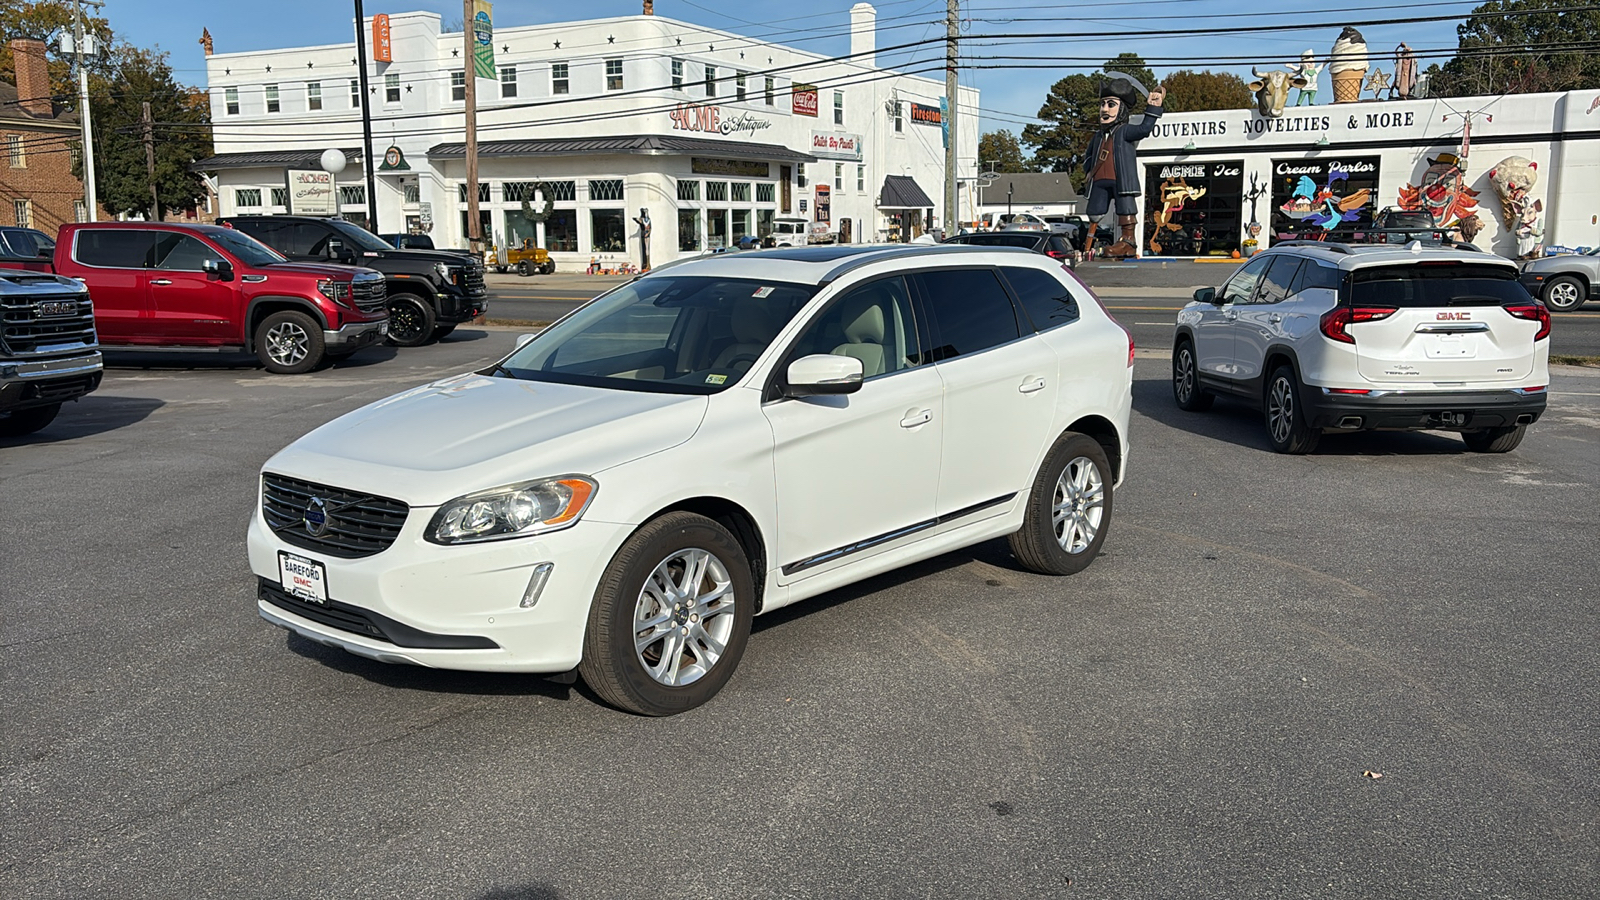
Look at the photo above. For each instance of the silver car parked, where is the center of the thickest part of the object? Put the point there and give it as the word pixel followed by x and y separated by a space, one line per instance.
pixel 1564 282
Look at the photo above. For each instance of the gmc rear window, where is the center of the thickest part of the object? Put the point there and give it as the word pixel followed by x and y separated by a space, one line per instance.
pixel 1428 285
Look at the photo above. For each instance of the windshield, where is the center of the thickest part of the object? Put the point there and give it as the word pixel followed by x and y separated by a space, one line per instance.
pixel 1448 284
pixel 666 334
pixel 245 248
pixel 359 238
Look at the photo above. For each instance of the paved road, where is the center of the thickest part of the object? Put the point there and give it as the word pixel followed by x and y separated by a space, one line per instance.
pixel 1143 296
pixel 1195 715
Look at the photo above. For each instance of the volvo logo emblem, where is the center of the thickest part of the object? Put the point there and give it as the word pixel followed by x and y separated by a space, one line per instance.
pixel 316 517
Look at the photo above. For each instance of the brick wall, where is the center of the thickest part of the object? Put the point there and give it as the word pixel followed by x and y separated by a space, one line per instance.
pixel 44 178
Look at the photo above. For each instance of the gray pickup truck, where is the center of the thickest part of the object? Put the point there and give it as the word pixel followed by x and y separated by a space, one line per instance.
pixel 49 352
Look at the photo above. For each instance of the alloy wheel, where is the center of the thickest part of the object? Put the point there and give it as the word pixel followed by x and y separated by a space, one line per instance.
pixel 684 617
pixel 1185 375
pixel 1564 295
pixel 1280 410
pixel 405 321
pixel 1078 505
pixel 288 343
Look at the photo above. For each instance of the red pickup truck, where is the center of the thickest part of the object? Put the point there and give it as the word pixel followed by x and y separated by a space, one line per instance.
pixel 169 286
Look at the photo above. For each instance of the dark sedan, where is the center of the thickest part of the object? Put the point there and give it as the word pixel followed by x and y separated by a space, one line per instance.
pixel 1055 246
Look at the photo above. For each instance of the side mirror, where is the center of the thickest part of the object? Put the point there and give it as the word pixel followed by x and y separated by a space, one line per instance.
pixel 821 374
pixel 523 339
pixel 47 253
pixel 221 268
pixel 336 250
pixel 1205 295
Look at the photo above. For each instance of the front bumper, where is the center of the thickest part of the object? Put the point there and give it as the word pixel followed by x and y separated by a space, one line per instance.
pixel 455 607
pixel 459 305
pixel 1418 410
pixel 42 382
pixel 356 335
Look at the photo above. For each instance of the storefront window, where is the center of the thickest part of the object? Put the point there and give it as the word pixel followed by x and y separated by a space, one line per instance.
pixel 763 222
pixel 741 224
pixel 1315 198
pixel 561 231
pixel 1193 209
pixel 717 191
pixel 485 229
pixel 688 190
pixel 607 231
pixel 716 229
pixel 741 192
pixel 519 228
pixel 688 230
pixel 764 192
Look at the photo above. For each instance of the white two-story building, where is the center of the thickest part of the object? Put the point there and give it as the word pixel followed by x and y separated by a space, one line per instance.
pixel 709 134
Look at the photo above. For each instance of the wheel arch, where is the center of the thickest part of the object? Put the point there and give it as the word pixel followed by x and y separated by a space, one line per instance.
pixel 261 307
pixel 739 522
pixel 1278 355
pixel 1581 276
pixel 1105 433
pixel 1182 333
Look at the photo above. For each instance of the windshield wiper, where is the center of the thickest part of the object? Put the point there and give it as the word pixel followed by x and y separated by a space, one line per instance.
pixel 497 368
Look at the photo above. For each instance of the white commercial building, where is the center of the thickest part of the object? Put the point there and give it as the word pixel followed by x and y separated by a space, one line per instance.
pixel 1400 153
pixel 710 134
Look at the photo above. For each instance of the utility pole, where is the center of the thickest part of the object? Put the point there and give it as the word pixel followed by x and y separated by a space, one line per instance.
pixel 952 27
pixel 470 71
pixel 89 204
pixel 367 159
pixel 150 160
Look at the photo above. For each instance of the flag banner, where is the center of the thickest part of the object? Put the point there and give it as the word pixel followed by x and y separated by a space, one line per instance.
pixel 483 39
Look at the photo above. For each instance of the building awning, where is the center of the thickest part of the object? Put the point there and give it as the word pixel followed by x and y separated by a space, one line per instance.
pixel 902 192
pixel 644 144
pixel 271 159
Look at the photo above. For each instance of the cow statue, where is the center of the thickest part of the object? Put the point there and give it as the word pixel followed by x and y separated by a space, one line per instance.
pixel 1272 90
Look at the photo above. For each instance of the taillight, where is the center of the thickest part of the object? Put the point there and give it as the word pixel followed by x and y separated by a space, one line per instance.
pixel 1055 254
pixel 1336 320
pixel 1533 312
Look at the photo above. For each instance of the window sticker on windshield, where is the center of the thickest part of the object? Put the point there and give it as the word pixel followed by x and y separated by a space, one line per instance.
pixel 762 292
pixel 718 379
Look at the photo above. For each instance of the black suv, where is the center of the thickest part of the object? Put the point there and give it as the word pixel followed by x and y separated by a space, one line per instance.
pixel 430 291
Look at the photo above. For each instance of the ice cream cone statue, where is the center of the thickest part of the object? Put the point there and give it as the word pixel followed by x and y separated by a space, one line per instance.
pixel 1348 65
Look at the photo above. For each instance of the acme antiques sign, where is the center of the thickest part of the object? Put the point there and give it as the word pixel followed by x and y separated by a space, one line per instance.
pixel 695 117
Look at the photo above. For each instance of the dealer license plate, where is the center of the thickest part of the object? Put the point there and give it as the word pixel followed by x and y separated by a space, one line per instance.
pixel 303 578
pixel 1451 346
pixel 383 329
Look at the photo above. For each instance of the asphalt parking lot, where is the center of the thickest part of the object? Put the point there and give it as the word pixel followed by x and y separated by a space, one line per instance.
pixel 1205 712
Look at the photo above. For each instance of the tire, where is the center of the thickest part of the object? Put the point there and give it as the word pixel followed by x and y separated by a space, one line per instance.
pixel 1285 416
pixel 1069 508
pixel 1186 390
pixel 1564 293
pixel 440 331
pixel 26 421
pixel 410 320
pixel 1494 440
pixel 289 342
pixel 549 268
pixel 644 577
pixel 523 270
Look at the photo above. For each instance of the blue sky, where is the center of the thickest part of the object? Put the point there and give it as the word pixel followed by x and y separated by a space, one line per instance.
pixel 1103 28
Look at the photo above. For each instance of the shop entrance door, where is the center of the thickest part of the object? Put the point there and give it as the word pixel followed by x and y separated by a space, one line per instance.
pixel 844 231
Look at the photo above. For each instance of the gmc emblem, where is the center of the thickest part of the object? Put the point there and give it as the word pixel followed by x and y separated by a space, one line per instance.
pixel 56 308
pixel 1454 317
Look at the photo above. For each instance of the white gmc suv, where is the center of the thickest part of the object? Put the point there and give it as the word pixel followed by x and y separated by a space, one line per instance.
pixel 717 439
pixel 1330 337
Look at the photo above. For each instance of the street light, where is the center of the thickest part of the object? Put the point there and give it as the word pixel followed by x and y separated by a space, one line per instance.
pixel 332 162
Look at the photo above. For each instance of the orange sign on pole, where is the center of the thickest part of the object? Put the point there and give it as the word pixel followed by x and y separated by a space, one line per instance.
pixel 381 49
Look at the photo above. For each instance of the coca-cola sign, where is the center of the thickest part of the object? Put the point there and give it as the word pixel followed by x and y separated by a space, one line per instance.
pixel 805 100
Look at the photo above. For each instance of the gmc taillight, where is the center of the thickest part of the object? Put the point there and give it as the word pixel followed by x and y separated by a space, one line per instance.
pixel 1336 320
pixel 1533 312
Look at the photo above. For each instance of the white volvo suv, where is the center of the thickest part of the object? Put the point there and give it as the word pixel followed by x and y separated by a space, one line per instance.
pixel 1330 337
pixel 717 439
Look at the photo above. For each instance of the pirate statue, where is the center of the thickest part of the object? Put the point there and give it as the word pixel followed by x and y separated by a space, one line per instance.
pixel 1110 164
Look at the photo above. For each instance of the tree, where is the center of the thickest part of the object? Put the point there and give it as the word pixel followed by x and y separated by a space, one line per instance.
pixel 1191 91
pixel 1517 49
pixel 999 151
pixel 182 133
pixel 1071 113
pixel 47 21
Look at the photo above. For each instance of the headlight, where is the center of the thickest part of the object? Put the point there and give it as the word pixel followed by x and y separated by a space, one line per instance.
pixel 517 510
pixel 446 273
pixel 337 291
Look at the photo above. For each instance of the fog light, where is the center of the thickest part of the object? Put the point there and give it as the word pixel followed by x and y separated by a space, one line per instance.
pixel 536 582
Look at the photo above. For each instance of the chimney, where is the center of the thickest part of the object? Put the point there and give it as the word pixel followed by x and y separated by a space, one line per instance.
pixel 863 35
pixel 33 78
pixel 649 7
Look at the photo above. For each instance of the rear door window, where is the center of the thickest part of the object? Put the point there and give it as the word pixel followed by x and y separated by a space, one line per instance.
pixel 182 253
pixel 1046 300
pixel 1431 285
pixel 19 243
pixel 1279 276
pixel 970 309
pixel 119 248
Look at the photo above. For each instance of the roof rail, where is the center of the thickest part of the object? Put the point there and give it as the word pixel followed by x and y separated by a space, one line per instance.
pixel 863 259
pixel 1333 246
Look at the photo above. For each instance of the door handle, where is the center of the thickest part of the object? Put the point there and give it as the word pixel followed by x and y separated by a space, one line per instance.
pixel 1230 315
pixel 1274 318
pixel 914 418
pixel 1034 384
pixel 161 281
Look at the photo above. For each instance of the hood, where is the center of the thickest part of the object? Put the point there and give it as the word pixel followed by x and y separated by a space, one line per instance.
pixel 472 432
pixel 447 257
pixel 316 270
